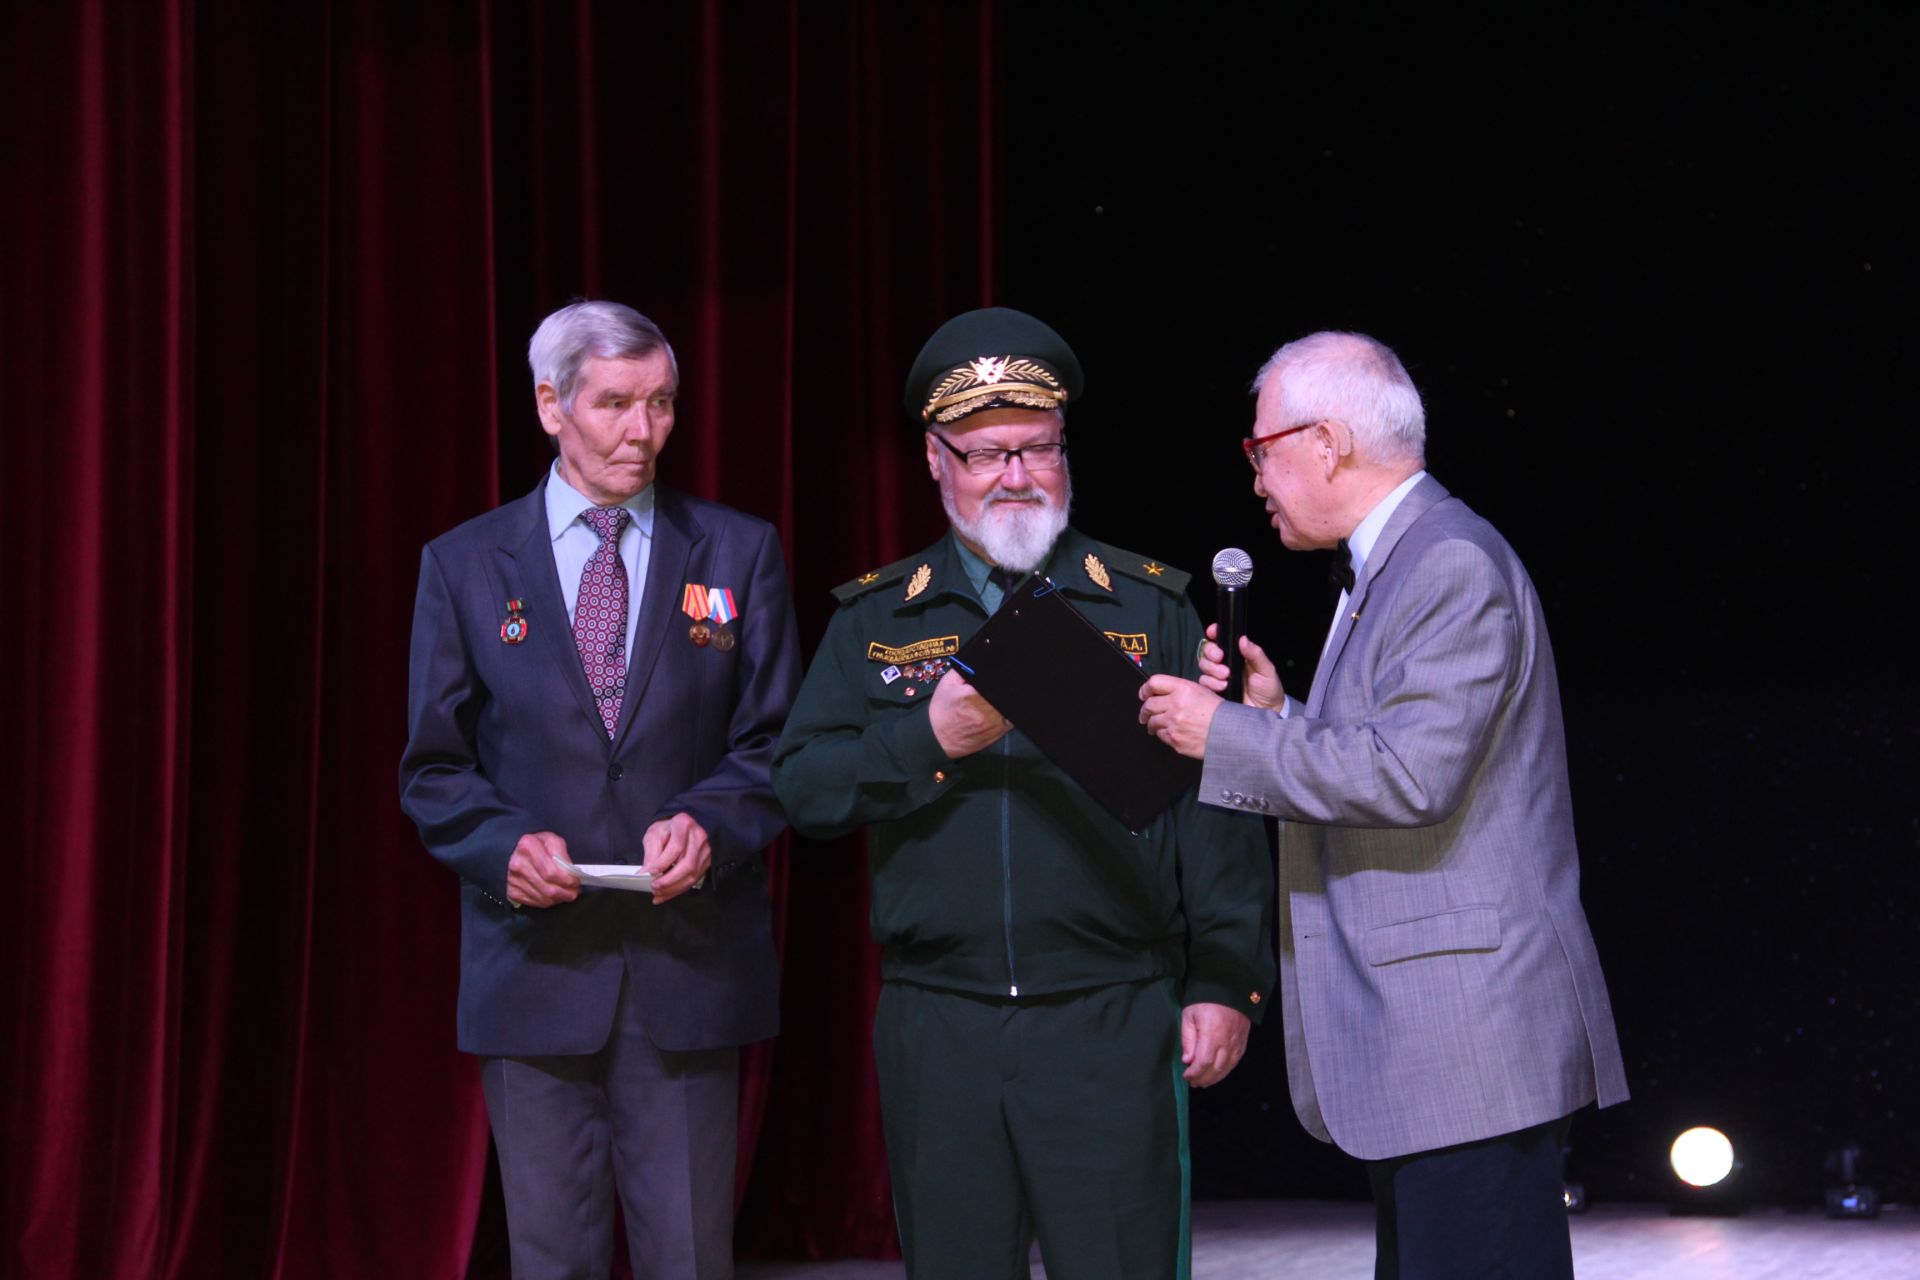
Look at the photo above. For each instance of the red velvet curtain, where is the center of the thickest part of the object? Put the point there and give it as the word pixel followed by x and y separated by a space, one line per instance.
pixel 273 269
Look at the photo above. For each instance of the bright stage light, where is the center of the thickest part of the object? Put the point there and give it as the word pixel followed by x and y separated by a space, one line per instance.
pixel 1702 1156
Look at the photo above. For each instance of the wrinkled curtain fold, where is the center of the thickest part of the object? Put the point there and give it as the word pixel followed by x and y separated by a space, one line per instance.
pixel 269 275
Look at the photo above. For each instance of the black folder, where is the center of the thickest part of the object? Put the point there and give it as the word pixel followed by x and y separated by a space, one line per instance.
pixel 1070 689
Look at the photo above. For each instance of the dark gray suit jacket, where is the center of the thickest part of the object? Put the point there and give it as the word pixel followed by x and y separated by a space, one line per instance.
pixel 1438 979
pixel 504 739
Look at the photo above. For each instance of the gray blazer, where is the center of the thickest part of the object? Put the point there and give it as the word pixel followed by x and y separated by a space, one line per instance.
pixel 1438 979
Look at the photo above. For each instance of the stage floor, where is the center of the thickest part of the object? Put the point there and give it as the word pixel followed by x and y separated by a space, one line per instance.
pixel 1329 1240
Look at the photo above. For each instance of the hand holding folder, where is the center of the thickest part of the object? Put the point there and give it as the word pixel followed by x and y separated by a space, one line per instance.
pixel 1050 671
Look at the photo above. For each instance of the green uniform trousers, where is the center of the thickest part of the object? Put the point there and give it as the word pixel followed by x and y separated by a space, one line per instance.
pixel 1062 1117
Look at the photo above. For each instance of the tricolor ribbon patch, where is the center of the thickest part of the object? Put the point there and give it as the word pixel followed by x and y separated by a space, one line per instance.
pixel 704 603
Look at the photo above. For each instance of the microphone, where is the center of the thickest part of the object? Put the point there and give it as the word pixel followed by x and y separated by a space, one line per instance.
pixel 1232 571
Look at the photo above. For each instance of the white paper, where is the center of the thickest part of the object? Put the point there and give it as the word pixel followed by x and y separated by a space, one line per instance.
pixel 609 875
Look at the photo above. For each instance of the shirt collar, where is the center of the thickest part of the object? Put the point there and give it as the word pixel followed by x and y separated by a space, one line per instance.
pixel 565 503
pixel 973 564
pixel 1360 541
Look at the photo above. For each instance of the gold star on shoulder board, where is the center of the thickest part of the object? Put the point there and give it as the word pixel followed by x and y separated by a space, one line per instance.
pixel 921 577
pixel 1154 568
pixel 1098 572
pixel 868 579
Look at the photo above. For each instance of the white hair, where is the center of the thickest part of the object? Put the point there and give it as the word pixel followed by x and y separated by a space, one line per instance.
pixel 607 330
pixel 1013 535
pixel 1353 379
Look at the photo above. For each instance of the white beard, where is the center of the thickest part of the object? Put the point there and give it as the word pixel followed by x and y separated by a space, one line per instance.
pixel 1013 533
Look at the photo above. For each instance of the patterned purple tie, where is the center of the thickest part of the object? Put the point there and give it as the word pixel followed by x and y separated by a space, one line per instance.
pixel 600 613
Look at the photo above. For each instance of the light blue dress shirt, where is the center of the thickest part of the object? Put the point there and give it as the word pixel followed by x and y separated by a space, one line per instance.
pixel 1359 547
pixel 574 544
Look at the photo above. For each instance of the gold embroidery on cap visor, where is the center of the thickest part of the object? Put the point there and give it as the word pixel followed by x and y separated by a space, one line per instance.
pixel 1012 380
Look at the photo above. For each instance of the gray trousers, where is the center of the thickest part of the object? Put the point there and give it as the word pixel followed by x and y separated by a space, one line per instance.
pixel 657 1126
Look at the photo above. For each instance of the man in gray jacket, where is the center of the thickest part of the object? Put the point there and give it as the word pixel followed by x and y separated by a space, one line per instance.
pixel 1445 1011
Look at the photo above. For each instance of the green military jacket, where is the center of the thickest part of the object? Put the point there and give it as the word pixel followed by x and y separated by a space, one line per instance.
pixel 996 873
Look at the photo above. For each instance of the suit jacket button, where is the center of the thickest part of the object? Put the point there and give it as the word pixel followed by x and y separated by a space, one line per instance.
pixel 614 771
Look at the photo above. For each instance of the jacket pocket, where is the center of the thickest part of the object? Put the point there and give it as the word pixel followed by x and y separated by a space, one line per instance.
pixel 1464 929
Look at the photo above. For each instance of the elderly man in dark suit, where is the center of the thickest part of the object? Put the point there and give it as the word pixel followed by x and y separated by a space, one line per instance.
pixel 1445 1011
pixel 600 670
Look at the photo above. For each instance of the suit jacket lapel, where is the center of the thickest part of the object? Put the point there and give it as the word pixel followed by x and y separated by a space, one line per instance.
pixel 1423 498
pixel 534 569
pixel 675 532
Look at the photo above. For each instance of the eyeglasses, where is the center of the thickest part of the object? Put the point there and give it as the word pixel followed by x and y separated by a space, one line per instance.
pixel 988 462
pixel 1256 447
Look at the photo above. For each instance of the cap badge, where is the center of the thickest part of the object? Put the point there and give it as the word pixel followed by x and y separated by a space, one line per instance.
pixel 1098 572
pixel 1005 380
pixel 989 369
pixel 918 583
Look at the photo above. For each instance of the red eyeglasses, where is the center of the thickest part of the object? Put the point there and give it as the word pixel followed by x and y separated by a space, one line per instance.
pixel 1256 447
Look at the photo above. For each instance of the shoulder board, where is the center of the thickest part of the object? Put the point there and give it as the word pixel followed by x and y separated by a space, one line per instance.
pixel 1146 569
pixel 851 590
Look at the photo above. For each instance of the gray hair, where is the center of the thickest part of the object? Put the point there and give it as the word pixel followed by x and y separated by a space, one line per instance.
pixel 1356 380
pixel 607 330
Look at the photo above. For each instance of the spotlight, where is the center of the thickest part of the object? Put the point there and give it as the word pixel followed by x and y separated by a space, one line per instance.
pixel 1702 1156
pixel 1704 1162
pixel 1847 1197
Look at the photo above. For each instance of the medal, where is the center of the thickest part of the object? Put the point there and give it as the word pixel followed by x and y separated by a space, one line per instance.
pixel 514 629
pixel 711 609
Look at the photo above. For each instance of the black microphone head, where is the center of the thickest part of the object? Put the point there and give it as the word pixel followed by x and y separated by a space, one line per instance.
pixel 1232 568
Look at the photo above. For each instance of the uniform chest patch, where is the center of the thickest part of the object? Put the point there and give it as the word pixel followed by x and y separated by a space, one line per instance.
pixel 1131 643
pixel 918 651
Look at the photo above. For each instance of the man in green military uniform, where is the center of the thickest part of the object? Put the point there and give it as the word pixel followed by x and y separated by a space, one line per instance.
pixel 1054 983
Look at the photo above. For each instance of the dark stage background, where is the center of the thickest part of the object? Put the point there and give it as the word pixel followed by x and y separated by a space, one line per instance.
pixel 268 277
pixel 1652 267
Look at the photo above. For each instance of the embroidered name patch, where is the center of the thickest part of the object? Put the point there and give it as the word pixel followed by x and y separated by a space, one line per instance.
pixel 1135 644
pixel 939 647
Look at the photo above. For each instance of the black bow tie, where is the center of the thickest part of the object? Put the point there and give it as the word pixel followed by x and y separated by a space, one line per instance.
pixel 1340 569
